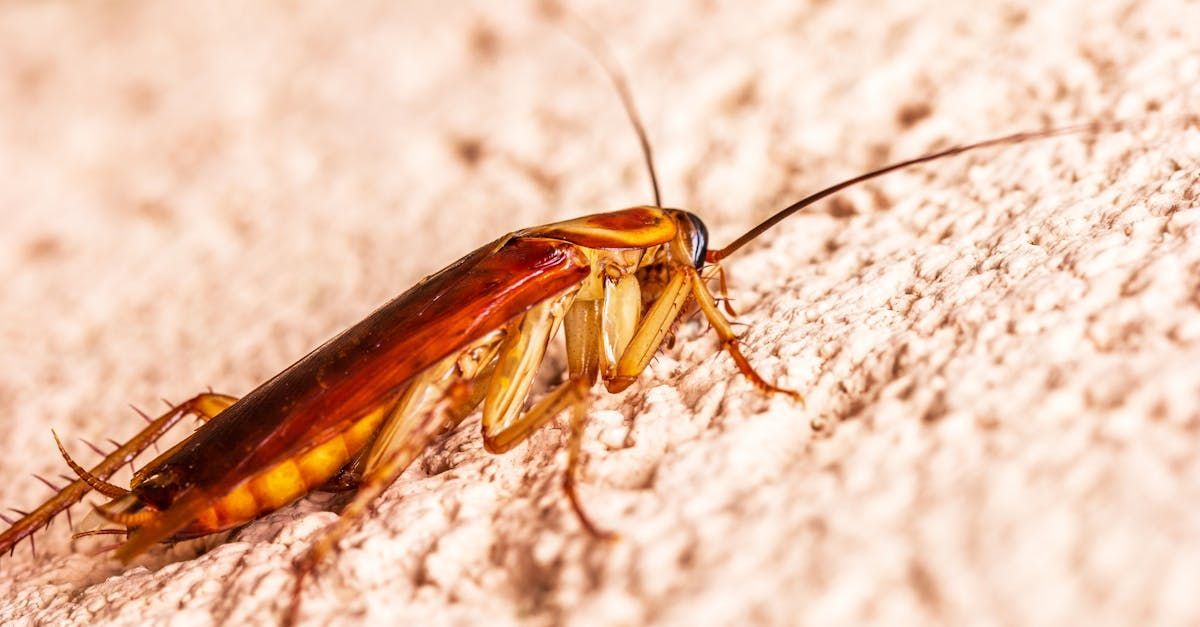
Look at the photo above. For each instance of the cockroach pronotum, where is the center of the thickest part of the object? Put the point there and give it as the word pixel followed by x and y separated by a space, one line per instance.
pixel 355 412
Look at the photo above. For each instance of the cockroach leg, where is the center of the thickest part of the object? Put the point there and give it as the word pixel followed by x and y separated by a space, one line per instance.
pixel 518 358
pixel 476 364
pixel 620 316
pixel 99 532
pixel 576 396
pixel 416 431
pixel 651 332
pixel 723 287
pixel 729 340
pixel 586 332
pixel 523 425
pixel 126 519
pixel 204 404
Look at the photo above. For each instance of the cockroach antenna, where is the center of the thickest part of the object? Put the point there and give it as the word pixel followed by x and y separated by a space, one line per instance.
pixel 1015 138
pixel 714 256
pixel 592 41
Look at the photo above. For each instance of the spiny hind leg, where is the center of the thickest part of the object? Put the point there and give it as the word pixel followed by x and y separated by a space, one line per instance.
pixel 204 405
pixel 207 405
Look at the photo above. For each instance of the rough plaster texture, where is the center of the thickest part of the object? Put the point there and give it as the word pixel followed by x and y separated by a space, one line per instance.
pixel 1002 349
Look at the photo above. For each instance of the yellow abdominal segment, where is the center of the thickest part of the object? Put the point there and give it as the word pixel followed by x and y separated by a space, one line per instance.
pixel 288 480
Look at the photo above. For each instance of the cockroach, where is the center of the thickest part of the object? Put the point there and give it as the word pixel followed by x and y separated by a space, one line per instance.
pixel 355 412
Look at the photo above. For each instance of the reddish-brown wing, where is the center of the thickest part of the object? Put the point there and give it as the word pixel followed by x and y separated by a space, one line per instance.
pixel 320 395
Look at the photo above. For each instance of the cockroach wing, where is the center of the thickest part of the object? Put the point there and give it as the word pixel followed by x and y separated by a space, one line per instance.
pixel 323 393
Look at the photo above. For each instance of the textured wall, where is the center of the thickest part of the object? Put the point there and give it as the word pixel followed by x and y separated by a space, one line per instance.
pixel 1002 347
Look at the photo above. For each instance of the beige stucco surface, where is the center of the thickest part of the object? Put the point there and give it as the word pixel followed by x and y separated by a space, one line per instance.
pixel 1002 348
